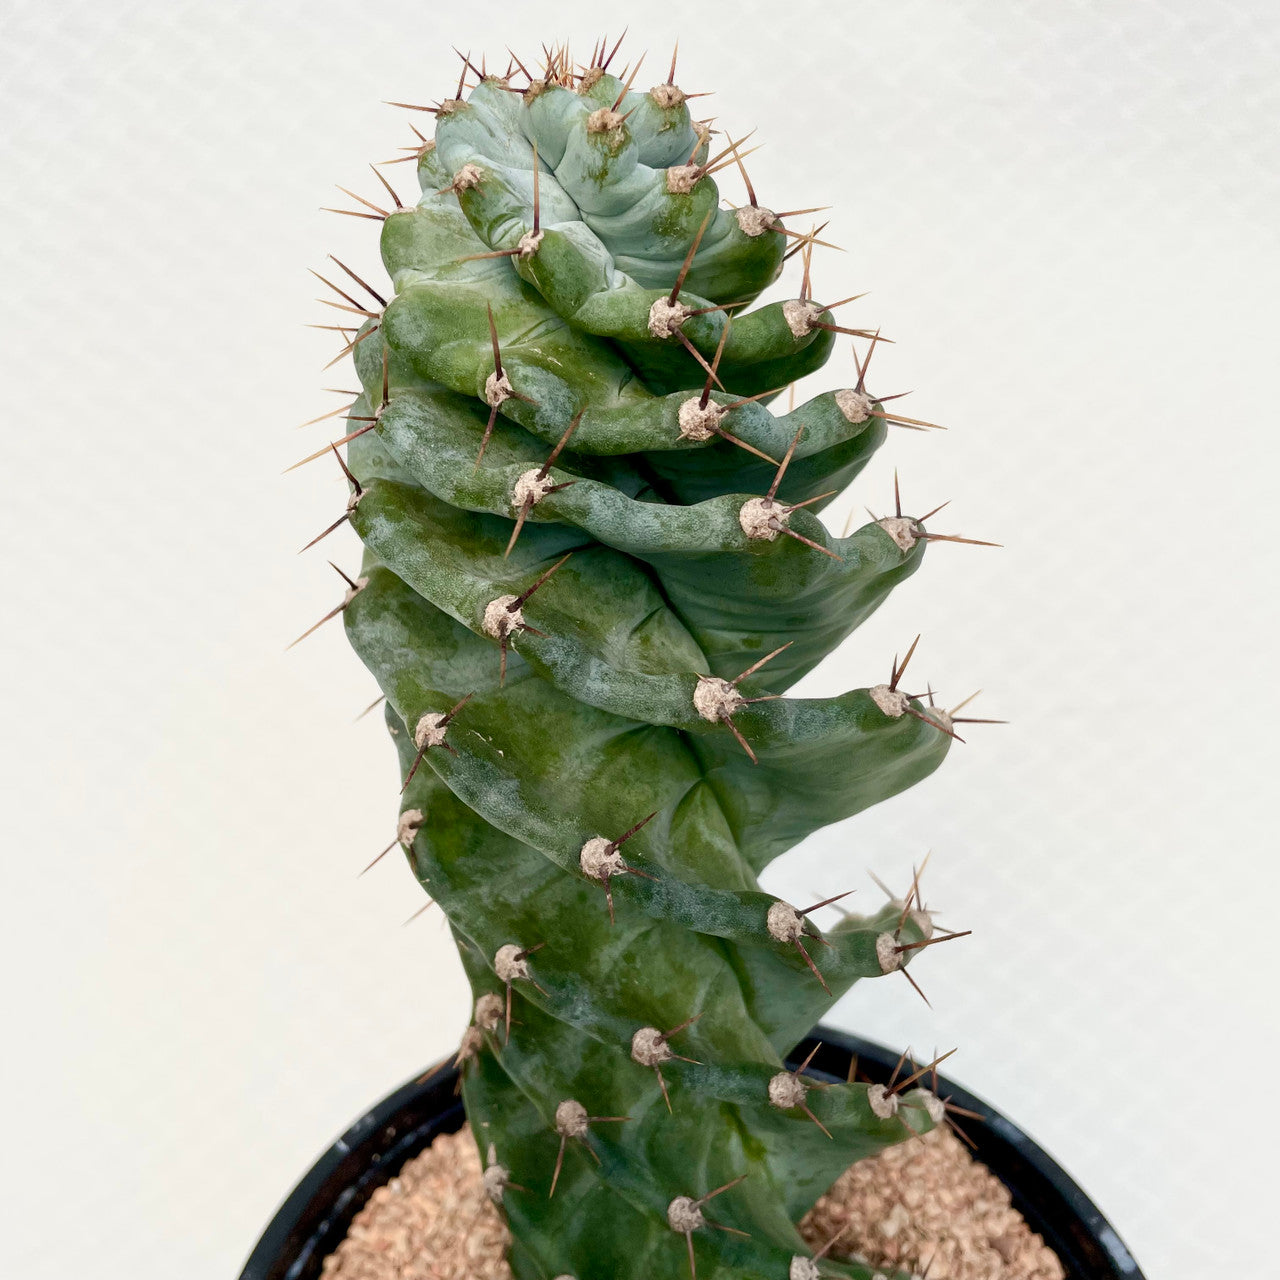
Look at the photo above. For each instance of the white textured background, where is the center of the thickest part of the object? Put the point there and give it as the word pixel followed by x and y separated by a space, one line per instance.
pixel 1067 215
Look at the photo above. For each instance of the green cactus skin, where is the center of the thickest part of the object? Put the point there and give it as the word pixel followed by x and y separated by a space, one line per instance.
pixel 590 789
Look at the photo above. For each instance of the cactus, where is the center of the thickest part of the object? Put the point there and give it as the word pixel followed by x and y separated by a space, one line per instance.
pixel 593 566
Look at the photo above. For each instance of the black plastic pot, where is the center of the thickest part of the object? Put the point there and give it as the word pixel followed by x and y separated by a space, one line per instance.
pixel 314 1219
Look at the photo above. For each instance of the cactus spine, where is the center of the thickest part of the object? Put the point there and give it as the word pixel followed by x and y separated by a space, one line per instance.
pixel 593 566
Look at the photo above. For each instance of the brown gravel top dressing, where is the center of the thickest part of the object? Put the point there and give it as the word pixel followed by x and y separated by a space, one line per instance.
pixel 924 1203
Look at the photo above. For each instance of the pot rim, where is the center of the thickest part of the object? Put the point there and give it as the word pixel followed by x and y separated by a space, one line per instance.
pixel 317 1213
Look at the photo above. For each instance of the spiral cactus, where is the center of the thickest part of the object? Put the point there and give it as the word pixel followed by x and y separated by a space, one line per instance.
pixel 593 566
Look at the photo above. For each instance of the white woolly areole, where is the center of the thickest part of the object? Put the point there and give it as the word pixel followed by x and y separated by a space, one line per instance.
pixel 407 827
pixel 893 702
pixel 590 77
pixel 510 963
pixel 495 1179
pixel 940 716
pixel 784 922
pixel 604 120
pixel 683 1215
pixel 803 1269
pixel 450 105
pixel 800 316
pixel 354 500
pixel 888 957
pixel 571 1119
pixel 497 389
pixel 933 1105
pixel 855 405
pixel 528 243
pixel 754 219
pixel 713 698
pixel 786 1091
pixel 760 517
pixel 882 1103
pixel 698 421
pixel 922 919
pixel 682 178
pixel 531 488
pixel 500 619
pixel 902 529
pixel 665 318
pixel 351 592
pixel 472 1043
pixel 600 859
pixel 667 95
pixel 490 1009
pixel 467 177
pixel 649 1047
pixel 430 731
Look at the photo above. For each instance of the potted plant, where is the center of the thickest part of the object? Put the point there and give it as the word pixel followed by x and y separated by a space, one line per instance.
pixel 593 568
